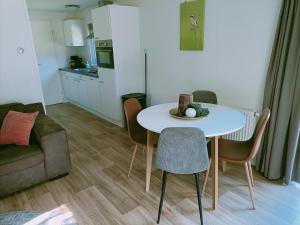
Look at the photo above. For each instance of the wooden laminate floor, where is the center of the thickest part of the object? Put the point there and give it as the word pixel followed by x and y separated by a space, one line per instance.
pixel 98 192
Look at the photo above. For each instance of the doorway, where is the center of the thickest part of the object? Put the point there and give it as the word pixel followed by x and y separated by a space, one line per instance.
pixel 47 61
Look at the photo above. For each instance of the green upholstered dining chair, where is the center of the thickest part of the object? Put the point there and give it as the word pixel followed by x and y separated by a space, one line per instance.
pixel 205 96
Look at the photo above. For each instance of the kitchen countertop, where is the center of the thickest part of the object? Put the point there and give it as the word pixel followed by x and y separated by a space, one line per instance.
pixel 82 71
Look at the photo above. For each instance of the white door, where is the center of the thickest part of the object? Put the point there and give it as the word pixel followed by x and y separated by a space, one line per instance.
pixel 48 67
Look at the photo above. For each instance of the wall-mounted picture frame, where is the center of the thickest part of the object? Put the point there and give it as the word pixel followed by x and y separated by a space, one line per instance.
pixel 192 25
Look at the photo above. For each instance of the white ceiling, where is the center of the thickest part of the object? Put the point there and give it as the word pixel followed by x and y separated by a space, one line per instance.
pixel 59 5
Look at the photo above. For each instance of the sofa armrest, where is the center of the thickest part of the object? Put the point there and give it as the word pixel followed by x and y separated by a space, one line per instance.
pixel 54 143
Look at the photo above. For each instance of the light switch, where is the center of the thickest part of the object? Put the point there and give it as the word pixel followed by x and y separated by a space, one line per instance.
pixel 20 50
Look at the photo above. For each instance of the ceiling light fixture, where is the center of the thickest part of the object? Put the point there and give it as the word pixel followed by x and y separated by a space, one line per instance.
pixel 71 6
pixel 104 2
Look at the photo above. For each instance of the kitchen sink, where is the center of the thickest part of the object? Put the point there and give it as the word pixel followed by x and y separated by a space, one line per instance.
pixel 86 70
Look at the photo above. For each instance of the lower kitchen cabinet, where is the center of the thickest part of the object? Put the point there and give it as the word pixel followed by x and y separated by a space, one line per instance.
pixel 97 94
pixel 108 93
pixel 82 89
pixel 94 94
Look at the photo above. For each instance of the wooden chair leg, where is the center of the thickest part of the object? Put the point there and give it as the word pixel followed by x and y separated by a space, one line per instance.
pixel 132 159
pixel 199 197
pixel 163 190
pixel 224 166
pixel 250 172
pixel 206 178
pixel 250 185
pixel 144 155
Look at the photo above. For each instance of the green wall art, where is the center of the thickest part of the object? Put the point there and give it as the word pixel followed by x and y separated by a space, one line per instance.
pixel 192 25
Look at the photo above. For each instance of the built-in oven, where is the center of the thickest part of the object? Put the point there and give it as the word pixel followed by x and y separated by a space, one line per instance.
pixel 105 54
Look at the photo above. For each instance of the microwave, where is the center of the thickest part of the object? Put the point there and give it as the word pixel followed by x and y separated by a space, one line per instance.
pixel 105 54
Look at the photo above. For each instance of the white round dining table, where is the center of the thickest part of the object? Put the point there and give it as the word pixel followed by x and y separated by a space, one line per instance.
pixel 220 121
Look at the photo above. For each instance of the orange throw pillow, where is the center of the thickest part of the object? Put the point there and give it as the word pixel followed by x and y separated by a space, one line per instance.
pixel 16 128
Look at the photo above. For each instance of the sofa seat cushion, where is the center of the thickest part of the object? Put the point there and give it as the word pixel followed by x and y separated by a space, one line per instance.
pixel 14 158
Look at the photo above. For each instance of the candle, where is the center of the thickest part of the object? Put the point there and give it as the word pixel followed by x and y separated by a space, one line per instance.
pixel 191 99
pixel 183 104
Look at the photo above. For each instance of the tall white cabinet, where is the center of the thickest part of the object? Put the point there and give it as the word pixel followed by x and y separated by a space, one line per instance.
pixel 121 25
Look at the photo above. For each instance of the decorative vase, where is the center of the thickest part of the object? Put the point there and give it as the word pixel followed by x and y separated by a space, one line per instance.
pixel 183 104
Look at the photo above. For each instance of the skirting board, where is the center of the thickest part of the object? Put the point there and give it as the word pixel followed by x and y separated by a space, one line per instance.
pixel 118 123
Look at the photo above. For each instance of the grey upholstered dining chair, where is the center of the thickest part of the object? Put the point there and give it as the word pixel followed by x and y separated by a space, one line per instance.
pixel 205 97
pixel 182 150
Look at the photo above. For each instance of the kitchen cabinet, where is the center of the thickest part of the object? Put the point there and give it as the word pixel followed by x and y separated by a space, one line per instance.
pixel 82 90
pixel 108 94
pixel 94 94
pixel 74 32
pixel 101 22
pixel 121 25
pixel 97 94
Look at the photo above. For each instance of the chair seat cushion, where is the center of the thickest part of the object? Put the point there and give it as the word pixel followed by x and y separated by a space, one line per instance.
pixel 15 158
pixel 182 150
pixel 234 150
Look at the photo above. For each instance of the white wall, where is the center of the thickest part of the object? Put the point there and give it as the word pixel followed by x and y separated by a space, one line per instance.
pixel 62 52
pixel 19 77
pixel 238 41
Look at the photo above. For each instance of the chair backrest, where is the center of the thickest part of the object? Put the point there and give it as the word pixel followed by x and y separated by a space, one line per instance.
pixel 182 150
pixel 205 97
pixel 132 107
pixel 258 132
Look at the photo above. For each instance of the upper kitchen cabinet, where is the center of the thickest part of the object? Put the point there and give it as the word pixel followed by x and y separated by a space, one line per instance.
pixel 101 22
pixel 74 32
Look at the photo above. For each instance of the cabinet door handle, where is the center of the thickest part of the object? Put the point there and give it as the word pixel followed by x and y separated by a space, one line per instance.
pixel 101 82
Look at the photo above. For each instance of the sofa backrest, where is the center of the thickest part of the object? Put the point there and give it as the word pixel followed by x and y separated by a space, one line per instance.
pixel 34 107
pixel 19 107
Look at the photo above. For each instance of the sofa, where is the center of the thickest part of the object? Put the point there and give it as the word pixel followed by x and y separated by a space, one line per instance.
pixel 47 156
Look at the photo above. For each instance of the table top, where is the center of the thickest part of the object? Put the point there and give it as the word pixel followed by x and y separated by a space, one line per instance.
pixel 220 121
